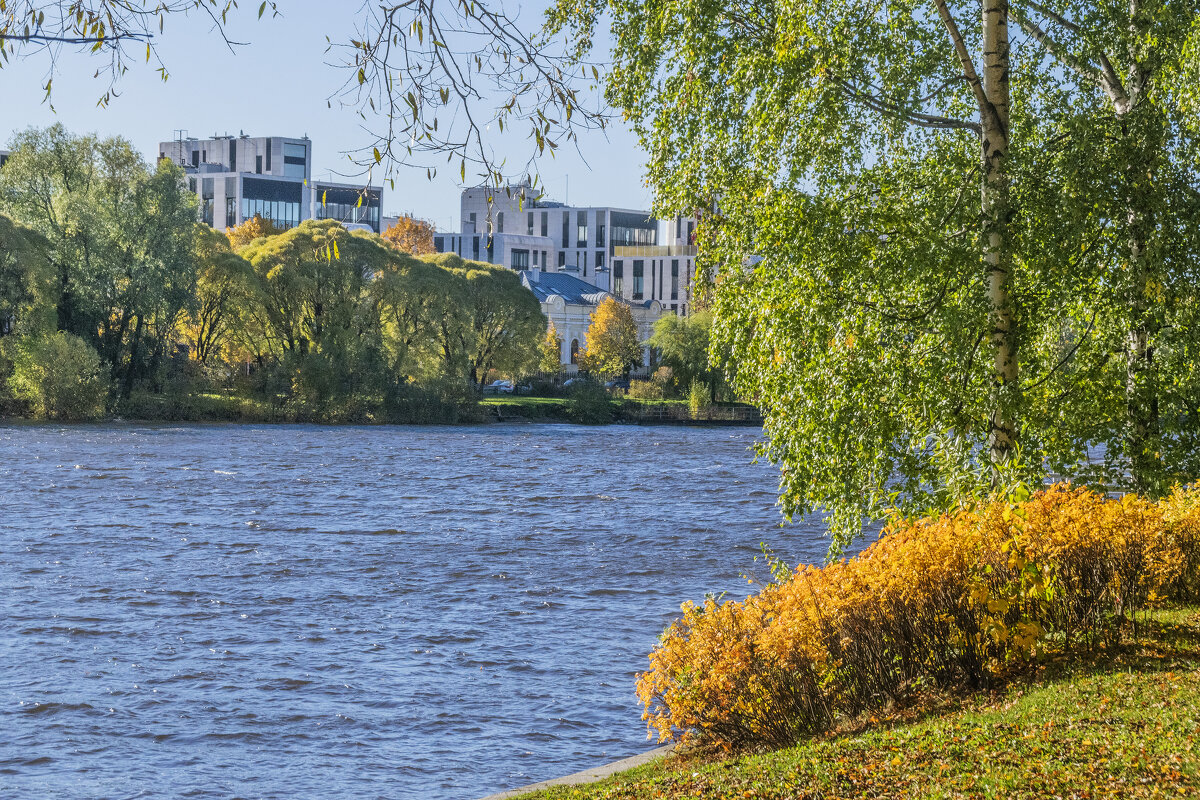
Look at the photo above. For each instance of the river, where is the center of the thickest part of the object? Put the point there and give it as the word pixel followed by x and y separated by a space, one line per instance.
pixel 220 611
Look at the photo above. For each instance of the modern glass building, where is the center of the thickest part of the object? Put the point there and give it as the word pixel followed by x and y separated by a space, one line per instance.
pixel 237 177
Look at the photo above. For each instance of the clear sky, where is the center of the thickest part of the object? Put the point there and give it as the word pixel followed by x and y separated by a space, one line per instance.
pixel 278 85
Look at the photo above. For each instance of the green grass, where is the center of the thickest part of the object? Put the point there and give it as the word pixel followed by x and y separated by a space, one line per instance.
pixel 1123 725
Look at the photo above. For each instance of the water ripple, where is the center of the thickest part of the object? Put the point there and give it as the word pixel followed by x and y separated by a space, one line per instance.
pixel 297 611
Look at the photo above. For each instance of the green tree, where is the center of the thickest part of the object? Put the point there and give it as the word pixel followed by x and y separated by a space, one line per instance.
pixel 120 239
pixel 26 282
pixel 613 345
pixel 314 311
pixel 683 345
pixel 909 345
pixel 500 324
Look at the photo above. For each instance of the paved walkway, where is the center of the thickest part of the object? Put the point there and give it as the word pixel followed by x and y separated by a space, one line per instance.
pixel 587 776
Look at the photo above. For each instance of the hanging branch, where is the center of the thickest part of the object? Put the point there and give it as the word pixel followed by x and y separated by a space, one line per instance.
pixel 435 81
pixel 102 27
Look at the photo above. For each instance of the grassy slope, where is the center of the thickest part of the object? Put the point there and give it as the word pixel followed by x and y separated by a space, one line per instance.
pixel 1123 726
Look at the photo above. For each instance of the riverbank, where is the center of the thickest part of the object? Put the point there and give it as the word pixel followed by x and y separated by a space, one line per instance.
pixel 1123 725
pixel 215 407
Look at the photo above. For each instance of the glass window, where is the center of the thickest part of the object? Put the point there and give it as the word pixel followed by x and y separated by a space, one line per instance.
pixel 258 164
pixel 639 279
pixel 618 278
pixel 520 259
pixel 566 218
pixel 473 230
pixel 674 279
pixel 599 235
pixel 474 244
pixel 574 351
pixel 230 212
pixel 562 259
pixel 500 222
pixel 530 223
pixel 581 229
pixel 599 259
pixel 545 223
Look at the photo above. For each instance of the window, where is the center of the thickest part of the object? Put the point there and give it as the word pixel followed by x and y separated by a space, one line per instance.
pixel 530 227
pixel 294 160
pixel 574 351
pixel 500 222
pixel 204 156
pixel 258 164
pixel 618 278
pixel 599 235
pixel 520 259
pixel 278 201
pixel 599 259
pixel 207 196
pixel 639 279
pixel 690 238
pixel 491 248
pixel 232 156
pixel 473 229
pixel 545 223
pixel 675 279
pixel 439 244
pixel 581 230
pixel 566 229
pixel 545 263
pixel 562 259
pixel 230 212
pixel 268 155
pixel 195 158
pixel 474 244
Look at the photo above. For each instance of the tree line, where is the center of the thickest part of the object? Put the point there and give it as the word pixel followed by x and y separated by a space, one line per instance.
pixel 109 286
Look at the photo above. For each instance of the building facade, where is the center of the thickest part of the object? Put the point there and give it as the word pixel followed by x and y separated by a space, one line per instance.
pixel 568 302
pixel 516 228
pixel 237 177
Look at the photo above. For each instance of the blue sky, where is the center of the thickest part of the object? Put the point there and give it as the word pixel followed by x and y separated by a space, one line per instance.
pixel 278 85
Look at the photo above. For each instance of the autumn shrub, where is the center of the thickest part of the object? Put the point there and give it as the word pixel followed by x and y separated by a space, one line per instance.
pixel 953 602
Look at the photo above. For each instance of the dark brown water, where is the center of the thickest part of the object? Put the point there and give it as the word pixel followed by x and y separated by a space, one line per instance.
pixel 310 612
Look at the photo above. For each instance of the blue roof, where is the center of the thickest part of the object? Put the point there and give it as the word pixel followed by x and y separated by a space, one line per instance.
pixel 571 289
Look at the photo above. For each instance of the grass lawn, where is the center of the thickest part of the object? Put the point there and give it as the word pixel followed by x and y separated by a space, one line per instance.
pixel 1125 725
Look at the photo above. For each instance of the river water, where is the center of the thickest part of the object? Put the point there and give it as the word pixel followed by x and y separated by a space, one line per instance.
pixel 351 612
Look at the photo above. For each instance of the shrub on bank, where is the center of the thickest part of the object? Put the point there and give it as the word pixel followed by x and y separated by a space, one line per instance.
pixel 59 375
pixel 951 603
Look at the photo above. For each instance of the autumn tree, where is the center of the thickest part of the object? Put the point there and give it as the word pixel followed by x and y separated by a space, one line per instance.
pixel 257 227
pixel 613 344
pixel 223 283
pixel 550 360
pixel 411 235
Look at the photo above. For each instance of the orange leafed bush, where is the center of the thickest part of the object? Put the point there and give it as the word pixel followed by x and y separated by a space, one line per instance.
pixel 946 602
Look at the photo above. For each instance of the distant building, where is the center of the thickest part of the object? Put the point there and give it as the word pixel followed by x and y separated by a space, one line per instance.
pixel 605 246
pixel 568 302
pixel 237 177
pixel 4 154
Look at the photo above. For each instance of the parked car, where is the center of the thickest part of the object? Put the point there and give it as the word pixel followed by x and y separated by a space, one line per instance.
pixel 501 387
pixel 619 383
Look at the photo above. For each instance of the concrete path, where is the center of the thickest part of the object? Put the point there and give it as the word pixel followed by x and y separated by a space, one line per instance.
pixel 588 775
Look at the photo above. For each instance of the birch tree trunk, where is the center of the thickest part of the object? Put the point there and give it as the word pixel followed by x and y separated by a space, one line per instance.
pixel 992 95
pixel 997 237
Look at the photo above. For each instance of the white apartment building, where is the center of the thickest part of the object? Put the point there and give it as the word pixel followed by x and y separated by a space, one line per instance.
pixel 624 251
pixel 238 177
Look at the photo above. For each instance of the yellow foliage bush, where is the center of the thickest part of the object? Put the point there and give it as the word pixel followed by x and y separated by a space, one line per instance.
pixel 947 602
